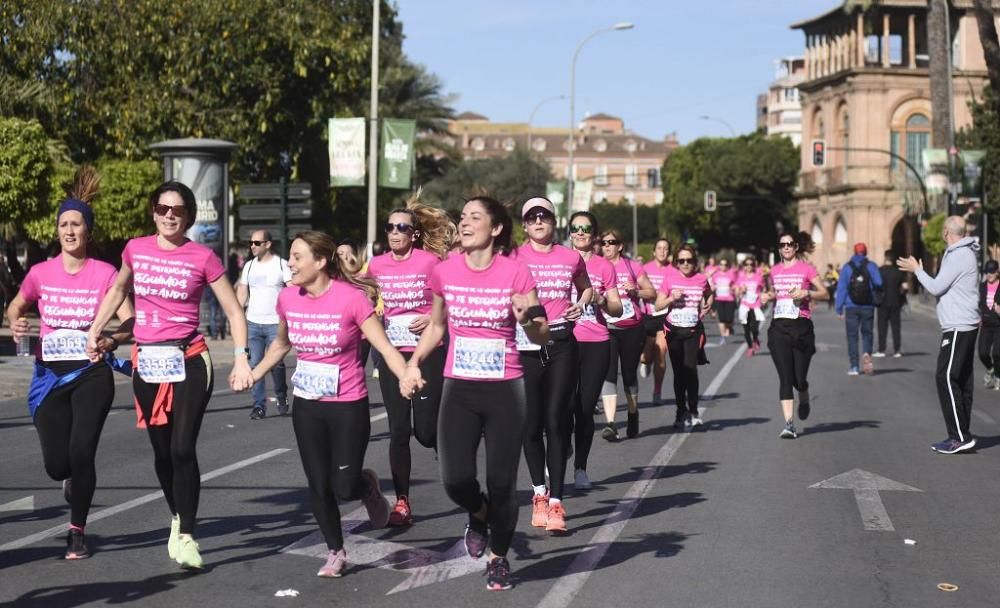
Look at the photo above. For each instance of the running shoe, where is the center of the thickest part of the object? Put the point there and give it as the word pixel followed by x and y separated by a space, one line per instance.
pixel 282 406
pixel 749 352
pixel 556 521
pixel 804 409
pixel 632 427
pixel 852 372
pixel 258 412
pixel 580 480
pixel 996 384
pixel 610 433
pixel 679 424
pixel 789 431
pixel 374 501
pixel 173 539
pixel 696 421
pixel 878 354
pixel 722 340
pixel 897 354
pixel 954 446
pixel 498 574
pixel 68 490
pixel 401 514
pixel 76 548
pixel 477 535
pixel 756 346
pixel 336 563
pixel 644 370
pixel 867 365
pixel 539 510
pixel 988 380
pixel 187 553
pixel 657 399
pixel 688 425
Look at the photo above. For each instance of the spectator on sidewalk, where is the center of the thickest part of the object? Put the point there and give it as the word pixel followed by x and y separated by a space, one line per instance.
pixel 893 287
pixel 830 278
pixel 262 279
pixel 857 294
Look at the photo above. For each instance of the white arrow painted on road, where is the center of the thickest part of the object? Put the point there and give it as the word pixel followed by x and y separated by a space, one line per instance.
pixel 425 566
pixel 21 504
pixel 866 487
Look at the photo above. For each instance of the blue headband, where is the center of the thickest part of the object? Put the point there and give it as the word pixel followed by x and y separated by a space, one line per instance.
pixel 72 204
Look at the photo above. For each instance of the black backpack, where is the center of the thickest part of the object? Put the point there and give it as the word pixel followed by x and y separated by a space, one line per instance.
pixel 860 288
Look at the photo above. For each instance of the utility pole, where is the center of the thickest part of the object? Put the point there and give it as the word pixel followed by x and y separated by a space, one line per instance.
pixel 373 129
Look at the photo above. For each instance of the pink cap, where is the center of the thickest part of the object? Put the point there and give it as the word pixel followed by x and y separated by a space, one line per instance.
pixel 535 203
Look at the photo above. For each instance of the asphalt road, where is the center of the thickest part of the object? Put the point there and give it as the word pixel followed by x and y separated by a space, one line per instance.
pixel 724 516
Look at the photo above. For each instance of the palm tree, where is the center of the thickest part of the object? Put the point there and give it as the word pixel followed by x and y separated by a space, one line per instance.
pixel 938 43
pixel 983 10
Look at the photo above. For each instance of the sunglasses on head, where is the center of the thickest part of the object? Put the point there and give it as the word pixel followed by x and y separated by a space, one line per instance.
pixel 401 227
pixel 783 244
pixel 258 243
pixel 610 242
pixel 178 210
pixel 541 214
pixel 685 261
pixel 581 228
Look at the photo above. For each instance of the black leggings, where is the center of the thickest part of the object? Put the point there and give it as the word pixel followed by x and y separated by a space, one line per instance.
pixel 424 408
pixel 594 358
pixel 174 453
pixel 792 344
pixel 69 422
pixel 332 438
pixel 471 410
pixel 549 382
pixel 989 346
pixel 683 344
pixel 751 329
pixel 626 346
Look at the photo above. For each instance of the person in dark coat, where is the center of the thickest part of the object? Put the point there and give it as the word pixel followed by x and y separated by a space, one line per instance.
pixel 893 292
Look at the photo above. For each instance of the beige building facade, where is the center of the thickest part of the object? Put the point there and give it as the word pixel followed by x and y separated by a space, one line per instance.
pixel 779 111
pixel 866 91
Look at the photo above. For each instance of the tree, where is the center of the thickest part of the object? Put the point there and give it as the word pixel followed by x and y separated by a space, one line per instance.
pixel 983 10
pixel 510 179
pixel 619 216
pixel 25 172
pixel 939 51
pixel 756 173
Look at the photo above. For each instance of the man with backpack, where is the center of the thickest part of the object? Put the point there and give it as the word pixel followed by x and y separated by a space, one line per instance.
pixel 858 293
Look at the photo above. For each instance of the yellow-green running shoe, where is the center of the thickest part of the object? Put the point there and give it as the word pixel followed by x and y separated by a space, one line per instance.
pixel 175 530
pixel 187 552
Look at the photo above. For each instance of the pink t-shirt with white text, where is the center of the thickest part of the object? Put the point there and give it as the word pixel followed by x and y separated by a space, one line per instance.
pixel 554 272
pixel 481 338
pixel 752 285
pixel 991 293
pixel 591 326
pixel 404 287
pixel 628 273
pixel 723 283
pixel 326 329
pixel 168 284
pixel 688 311
pixel 656 274
pixel 67 301
pixel 785 279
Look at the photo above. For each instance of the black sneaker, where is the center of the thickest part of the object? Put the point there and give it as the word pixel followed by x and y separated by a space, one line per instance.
pixel 632 427
pixel 257 412
pixel 498 574
pixel 282 406
pixel 477 534
pixel 610 433
pixel 76 548
pixel 804 409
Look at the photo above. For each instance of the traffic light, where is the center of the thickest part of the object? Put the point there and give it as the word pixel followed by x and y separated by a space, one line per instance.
pixel 818 153
pixel 710 201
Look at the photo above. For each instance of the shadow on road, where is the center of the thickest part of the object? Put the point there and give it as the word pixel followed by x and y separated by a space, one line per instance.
pixel 833 427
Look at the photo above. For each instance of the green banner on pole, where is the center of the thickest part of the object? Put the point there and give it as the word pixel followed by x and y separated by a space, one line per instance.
pixel 397 153
pixel 347 152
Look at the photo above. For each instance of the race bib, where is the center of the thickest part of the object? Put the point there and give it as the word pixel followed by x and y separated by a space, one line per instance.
pixel 523 343
pixel 398 331
pixel 628 312
pixel 750 297
pixel 65 345
pixel 315 381
pixel 161 364
pixel 722 290
pixel 786 308
pixel 683 317
pixel 744 312
pixel 483 358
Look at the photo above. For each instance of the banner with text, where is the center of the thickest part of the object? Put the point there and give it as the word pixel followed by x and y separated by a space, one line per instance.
pixel 397 159
pixel 583 191
pixel 347 152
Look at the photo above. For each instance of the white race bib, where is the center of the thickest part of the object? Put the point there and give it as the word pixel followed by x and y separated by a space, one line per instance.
pixel 722 290
pixel 683 317
pixel 65 345
pixel 750 296
pixel 628 312
pixel 398 331
pixel 313 380
pixel 786 308
pixel 161 364
pixel 479 358
pixel 523 343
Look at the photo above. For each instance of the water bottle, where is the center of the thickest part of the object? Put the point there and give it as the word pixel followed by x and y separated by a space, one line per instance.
pixel 24 344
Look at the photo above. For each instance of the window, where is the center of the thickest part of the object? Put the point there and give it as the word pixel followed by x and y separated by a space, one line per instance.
pixel 840 232
pixel 630 145
pixel 601 176
pixel 653 177
pixel 844 133
pixel 817 233
pixel 911 142
pixel 659 197
pixel 478 144
pixel 508 144
pixel 791 94
pixel 600 145
pixel 600 196
pixel 631 175
pixel 538 145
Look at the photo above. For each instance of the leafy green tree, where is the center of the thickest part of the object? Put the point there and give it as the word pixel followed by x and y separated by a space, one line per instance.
pixel 121 210
pixel 934 245
pixel 619 216
pixel 25 172
pixel 984 134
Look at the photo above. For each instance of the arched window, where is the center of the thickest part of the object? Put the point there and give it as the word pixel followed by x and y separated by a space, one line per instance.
pixel 509 144
pixel 538 145
pixel 844 133
pixel 478 144
pixel 817 232
pixel 840 232
pixel 911 141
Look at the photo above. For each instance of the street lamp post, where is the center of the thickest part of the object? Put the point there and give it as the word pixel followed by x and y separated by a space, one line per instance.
pixel 531 117
pixel 625 25
pixel 728 126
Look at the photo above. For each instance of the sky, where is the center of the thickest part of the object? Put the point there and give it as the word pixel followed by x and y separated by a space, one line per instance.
pixel 684 59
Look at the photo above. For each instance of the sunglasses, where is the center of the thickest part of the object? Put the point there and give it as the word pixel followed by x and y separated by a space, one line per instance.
pixel 685 261
pixel 784 244
pixel 610 242
pixel 581 228
pixel 258 243
pixel 178 210
pixel 401 227
pixel 540 215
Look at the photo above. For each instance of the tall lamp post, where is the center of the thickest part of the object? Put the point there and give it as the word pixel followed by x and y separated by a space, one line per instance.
pixel 531 117
pixel 625 25
pixel 728 126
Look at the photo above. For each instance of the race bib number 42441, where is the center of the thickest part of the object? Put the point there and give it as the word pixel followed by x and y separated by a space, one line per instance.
pixel 483 358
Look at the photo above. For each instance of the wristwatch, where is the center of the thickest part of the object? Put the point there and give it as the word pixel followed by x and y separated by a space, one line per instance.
pixel 242 351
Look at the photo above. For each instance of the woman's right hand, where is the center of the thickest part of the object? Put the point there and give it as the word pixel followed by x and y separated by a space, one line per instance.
pixel 20 328
pixel 411 382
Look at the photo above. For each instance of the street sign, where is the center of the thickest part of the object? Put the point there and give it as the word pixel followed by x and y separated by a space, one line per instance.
pixel 291 230
pixel 710 200
pixel 272 192
pixel 272 211
pixel 818 153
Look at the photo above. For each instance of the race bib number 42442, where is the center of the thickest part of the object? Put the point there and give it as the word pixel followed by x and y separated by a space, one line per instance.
pixel 483 358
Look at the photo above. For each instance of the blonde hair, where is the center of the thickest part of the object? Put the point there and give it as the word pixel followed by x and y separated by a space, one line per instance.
pixel 436 230
pixel 323 247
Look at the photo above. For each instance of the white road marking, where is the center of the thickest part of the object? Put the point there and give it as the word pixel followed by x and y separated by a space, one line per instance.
pixel 21 504
pixel 569 585
pixel 866 487
pixel 136 502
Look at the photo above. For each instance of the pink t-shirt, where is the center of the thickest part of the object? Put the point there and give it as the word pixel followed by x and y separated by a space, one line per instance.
pixel 481 339
pixel 797 276
pixel 67 301
pixel 723 282
pixel 656 274
pixel 591 327
pixel 686 312
pixel 991 293
pixel 627 273
pixel 555 273
pixel 326 332
pixel 405 292
pixel 751 284
pixel 168 284
pixel 710 269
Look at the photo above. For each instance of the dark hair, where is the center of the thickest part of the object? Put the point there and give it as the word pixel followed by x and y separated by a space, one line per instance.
pixel 190 204
pixel 378 248
pixel 499 216
pixel 595 228
pixel 665 240
pixel 688 247
pixel 323 247
pixel 802 239
pixel 890 256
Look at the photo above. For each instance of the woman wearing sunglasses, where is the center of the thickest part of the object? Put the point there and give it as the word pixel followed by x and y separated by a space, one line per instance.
pixel 416 236
pixel 749 286
pixel 173 376
pixel 627 336
pixel 725 298
pixel 550 370
pixel 481 294
pixel 655 352
pixel 790 338
pixel 686 296
pixel 592 338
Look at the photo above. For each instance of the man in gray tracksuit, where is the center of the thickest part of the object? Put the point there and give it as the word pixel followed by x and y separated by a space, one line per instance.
pixel 956 288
